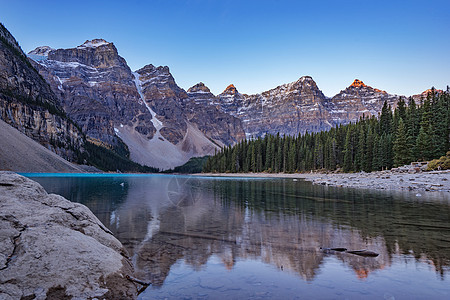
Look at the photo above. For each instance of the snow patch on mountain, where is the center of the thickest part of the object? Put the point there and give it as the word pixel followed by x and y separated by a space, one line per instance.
pixel 93 44
pixel 157 123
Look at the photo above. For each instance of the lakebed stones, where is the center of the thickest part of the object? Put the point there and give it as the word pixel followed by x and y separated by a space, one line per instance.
pixel 51 248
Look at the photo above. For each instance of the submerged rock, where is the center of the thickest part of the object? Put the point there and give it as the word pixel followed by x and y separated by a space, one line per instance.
pixel 53 248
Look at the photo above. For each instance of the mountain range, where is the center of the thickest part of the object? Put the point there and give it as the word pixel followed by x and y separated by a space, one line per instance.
pixel 146 114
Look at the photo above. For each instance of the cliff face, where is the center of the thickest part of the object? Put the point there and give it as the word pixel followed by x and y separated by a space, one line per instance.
pixel 96 88
pixel 28 103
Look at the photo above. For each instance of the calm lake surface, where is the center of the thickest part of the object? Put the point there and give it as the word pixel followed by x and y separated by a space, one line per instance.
pixel 241 238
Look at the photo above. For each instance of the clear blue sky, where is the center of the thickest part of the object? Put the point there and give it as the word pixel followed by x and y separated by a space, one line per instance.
pixel 402 47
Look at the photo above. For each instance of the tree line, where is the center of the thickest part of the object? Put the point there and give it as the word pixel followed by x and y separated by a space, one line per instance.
pixel 411 132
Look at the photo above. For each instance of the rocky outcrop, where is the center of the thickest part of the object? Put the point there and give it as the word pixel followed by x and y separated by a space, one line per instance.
pixel 28 104
pixel 52 248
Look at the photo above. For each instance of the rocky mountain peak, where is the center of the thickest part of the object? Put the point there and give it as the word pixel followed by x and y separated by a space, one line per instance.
pixel 199 88
pixel 358 83
pixel 306 78
pixel 96 53
pixel 430 91
pixel 151 69
pixel 424 94
pixel 93 43
pixel 230 90
pixel 41 51
pixel 304 82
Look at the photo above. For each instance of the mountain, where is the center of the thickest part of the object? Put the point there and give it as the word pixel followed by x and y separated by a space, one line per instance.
pixel 289 108
pixel 28 103
pixel 217 124
pixel 144 112
pixel 298 107
pixel 163 125
pixel 96 88
pixel 422 96
pixel 145 115
pixel 358 99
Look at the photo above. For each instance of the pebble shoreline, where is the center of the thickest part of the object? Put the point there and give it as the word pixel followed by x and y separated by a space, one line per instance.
pixel 387 180
pixel 435 181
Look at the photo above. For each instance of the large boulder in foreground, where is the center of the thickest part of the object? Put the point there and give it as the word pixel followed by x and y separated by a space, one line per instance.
pixel 51 248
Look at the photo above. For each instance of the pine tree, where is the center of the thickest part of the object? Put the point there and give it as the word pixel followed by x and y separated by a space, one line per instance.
pixel 385 119
pixel 361 150
pixel 401 151
pixel 291 158
pixel 401 108
pixel 376 162
pixel 423 147
pixel 270 154
pixel 440 128
pixel 368 158
pixel 285 153
pixel 348 152
pixel 278 158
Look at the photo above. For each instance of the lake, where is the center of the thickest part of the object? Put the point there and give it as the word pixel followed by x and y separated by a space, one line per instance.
pixel 244 238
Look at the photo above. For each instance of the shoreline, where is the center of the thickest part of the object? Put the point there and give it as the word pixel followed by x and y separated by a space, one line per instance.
pixel 430 182
pixel 434 181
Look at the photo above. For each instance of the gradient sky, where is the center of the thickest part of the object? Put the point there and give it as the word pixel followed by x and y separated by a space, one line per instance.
pixel 402 47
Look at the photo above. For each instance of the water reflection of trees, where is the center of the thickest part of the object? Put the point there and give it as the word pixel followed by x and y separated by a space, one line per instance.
pixel 283 223
pixel 253 219
pixel 408 224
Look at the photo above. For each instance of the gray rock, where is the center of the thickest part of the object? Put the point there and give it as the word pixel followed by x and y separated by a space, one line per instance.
pixel 28 104
pixel 53 248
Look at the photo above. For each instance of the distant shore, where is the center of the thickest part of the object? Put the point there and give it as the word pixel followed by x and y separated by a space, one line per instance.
pixel 436 181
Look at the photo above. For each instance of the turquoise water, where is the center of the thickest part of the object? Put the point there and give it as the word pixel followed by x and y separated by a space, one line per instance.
pixel 241 238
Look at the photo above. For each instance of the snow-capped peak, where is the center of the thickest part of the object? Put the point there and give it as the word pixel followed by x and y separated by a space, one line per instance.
pixel 94 43
pixel 305 78
pixel 41 51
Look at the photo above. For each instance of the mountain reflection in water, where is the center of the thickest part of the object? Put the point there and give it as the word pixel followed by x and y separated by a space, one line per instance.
pixel 164 219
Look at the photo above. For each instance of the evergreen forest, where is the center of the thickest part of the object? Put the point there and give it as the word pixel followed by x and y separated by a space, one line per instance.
pixel 410 132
